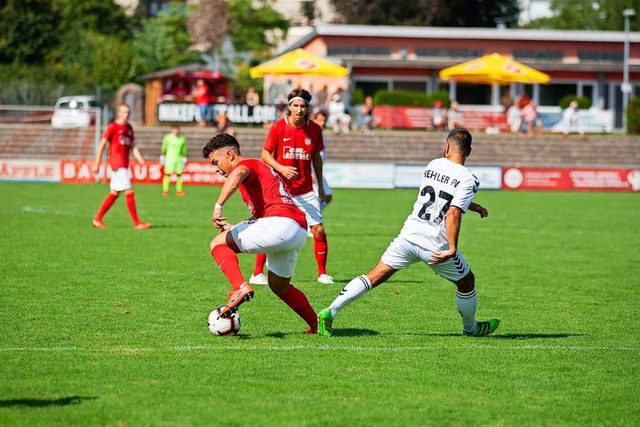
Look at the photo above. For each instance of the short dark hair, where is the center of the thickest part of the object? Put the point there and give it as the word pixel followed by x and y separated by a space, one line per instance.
pixel 219 141
pixel 461 139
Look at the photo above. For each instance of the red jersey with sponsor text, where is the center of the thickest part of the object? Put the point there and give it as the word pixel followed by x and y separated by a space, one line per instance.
pixel 120 139
pixel 293 146
pixel 265 195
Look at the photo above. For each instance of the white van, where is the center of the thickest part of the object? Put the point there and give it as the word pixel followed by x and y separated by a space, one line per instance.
pixel 74 111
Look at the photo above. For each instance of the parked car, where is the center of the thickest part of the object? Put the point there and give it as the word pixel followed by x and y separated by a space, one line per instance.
pixel 74 111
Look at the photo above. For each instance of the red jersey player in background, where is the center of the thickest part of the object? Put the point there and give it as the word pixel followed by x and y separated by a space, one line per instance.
pixel 292 146
pixel 119 136
pixel 277 228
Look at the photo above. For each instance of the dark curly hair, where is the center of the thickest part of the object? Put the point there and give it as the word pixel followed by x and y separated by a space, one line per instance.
pixel 219 141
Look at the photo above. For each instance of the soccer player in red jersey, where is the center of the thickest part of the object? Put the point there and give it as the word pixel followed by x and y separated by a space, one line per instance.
pixel 277 227
pixel 119 136
pixel 293 145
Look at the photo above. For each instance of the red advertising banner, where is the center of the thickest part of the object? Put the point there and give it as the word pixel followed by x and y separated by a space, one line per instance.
pixel 422 118
pixel 195 173
pixel 571 179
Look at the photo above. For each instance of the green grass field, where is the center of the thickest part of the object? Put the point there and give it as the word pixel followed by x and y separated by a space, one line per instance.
pixel 108 327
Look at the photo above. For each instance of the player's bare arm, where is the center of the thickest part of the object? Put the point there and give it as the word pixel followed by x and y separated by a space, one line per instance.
pixel 237 176
pixel 482 211
pixel 288 172
pixel 96 163
pixel 453 220
pixel 137 154
pixel 317 169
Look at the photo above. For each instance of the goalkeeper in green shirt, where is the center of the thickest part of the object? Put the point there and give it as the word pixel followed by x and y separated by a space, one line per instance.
pixel 174 158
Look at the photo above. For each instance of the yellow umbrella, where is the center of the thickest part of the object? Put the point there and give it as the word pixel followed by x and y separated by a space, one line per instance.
pixel 493 69
pixel 299 61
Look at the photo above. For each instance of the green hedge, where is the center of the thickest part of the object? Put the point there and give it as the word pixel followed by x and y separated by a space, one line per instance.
pixel 633 116
pixel 584 103
pixel 406 98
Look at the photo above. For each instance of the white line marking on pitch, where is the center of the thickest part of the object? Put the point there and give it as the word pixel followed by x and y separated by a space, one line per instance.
pixel 307 347
pixel 31 209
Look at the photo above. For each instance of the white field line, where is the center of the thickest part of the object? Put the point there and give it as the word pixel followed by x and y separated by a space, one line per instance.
pixel 192 348
pixel 42 211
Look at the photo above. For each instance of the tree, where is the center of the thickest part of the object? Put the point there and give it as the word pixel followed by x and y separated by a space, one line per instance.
pixel 28 30
pixel 256 29
pixel 435 13
pixel 163 42
pixel 595 15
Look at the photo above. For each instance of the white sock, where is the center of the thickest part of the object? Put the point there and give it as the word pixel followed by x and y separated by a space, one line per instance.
pixel 467 304
pixel 354 290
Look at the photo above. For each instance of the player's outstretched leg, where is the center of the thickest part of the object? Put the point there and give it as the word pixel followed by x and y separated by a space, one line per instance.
pixel 325 322
pixel 484 328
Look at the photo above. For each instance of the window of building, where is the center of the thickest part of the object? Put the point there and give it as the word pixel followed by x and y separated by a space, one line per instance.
pixel 586 55
pixel 412 86
pixel 358 51
pixel 450 53
pixel 369 88
pixel 552 93
pixel 470 94
pixel 545 55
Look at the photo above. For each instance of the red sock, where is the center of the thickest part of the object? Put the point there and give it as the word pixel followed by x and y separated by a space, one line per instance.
pixel 299 303
pixel 261 259
pixel 321 248
pixel 131 205
pixel 106 205
pixel 227 260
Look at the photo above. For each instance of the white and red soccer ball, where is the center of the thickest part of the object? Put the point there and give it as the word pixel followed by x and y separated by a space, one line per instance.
pixel 223 325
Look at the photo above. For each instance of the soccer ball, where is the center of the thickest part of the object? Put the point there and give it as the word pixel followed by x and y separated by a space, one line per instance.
pixel 223 326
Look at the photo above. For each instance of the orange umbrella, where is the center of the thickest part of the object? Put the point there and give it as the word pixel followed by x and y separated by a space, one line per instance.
pixel 493 69
pixel 299 61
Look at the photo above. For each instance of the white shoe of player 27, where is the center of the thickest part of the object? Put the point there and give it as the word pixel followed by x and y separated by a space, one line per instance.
pixel 259 279
pixel 325 279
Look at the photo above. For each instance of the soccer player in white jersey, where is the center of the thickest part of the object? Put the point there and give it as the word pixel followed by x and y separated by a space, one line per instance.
pixel 430 235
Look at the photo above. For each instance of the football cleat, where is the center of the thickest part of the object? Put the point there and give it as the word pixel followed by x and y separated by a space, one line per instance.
pixel 325 279
pixel 142 225
pixel 325 323
pixel 244 294
pixel 179 193
pixel 165 193
pixel 97 223
pixel 484 328
pixel 258 279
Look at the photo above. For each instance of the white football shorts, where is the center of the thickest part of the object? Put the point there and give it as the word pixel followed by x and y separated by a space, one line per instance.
pixel 120 180
pixel 401 253
pixel 279 237
pixel 310 205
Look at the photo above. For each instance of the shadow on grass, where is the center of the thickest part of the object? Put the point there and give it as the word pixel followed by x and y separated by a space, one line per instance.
pixel 497 336
pixel 354 332
pixel 348 332
pixel 41 403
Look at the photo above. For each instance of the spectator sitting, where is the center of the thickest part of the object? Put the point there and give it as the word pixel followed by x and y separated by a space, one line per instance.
pixel 571 118
pixel 530 118
pixel 179 90
pixel 339 120
pixel 454 116
pixel 439 117
pixel 224 125
pixel 514 118
pixel 369 120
